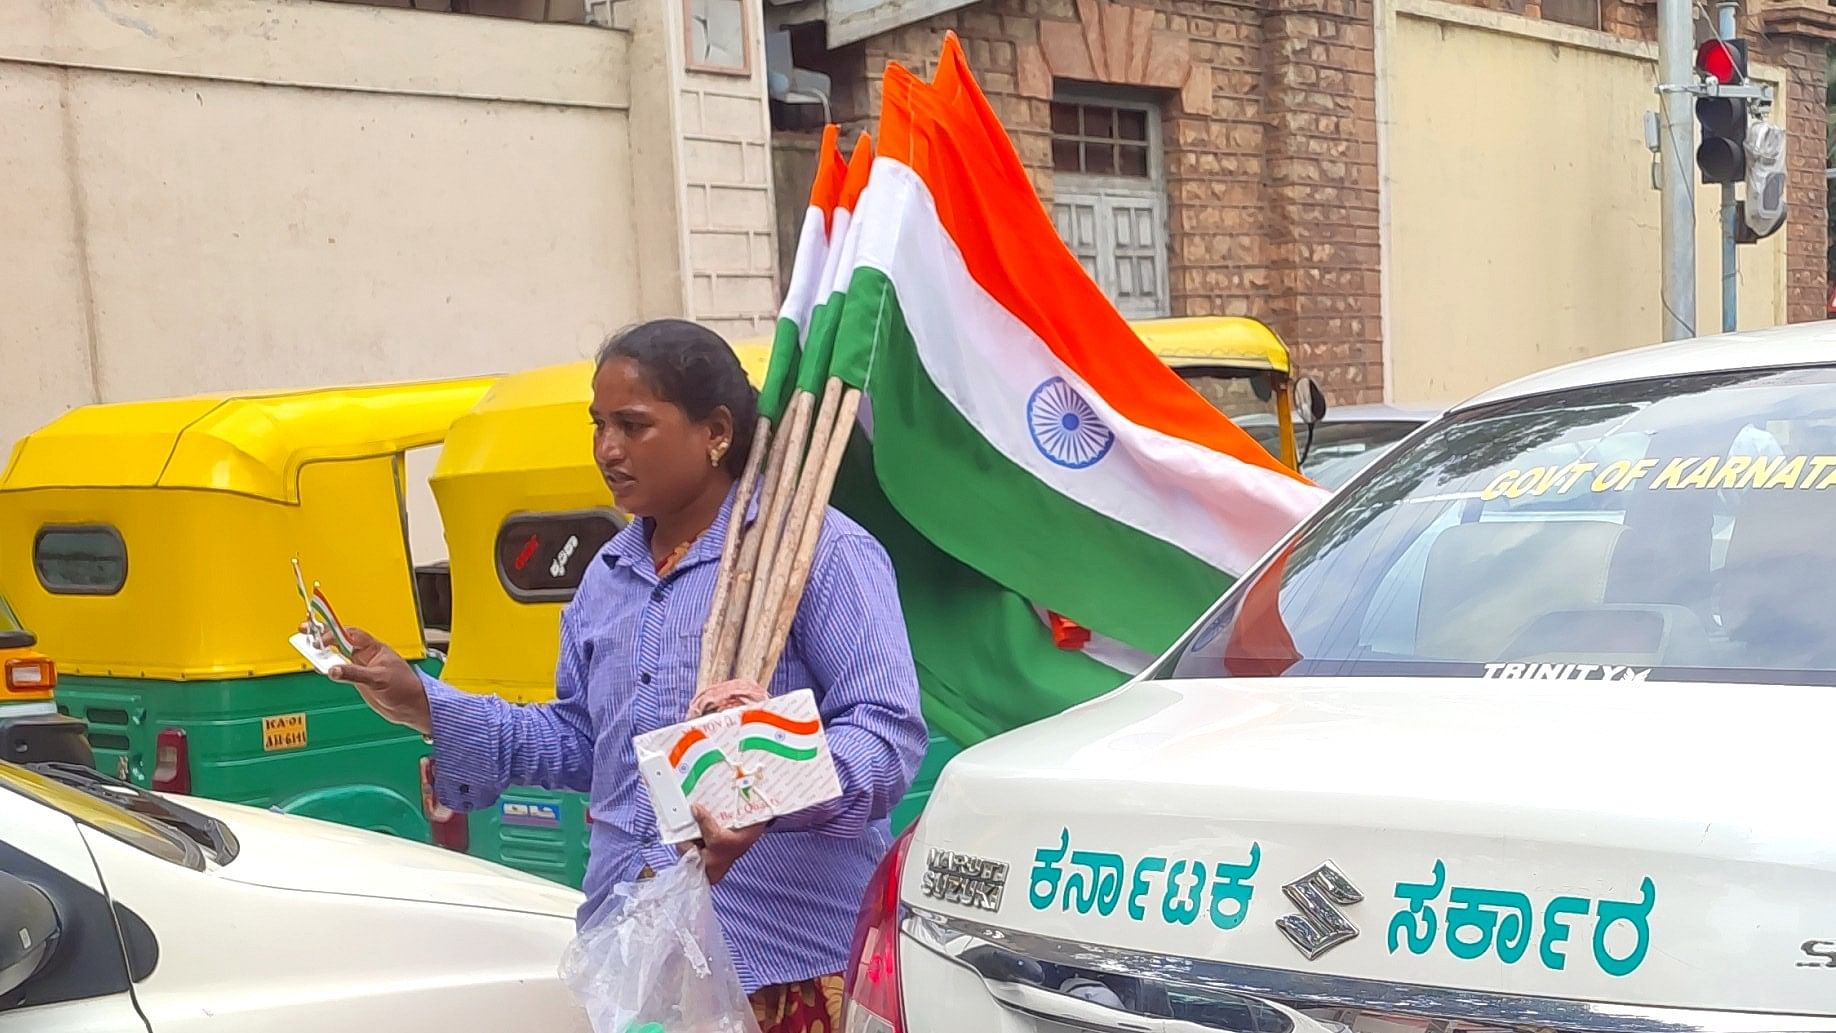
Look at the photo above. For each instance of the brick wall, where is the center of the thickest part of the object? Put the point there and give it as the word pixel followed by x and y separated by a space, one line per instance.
pixel 1269 138
pixel 1807 217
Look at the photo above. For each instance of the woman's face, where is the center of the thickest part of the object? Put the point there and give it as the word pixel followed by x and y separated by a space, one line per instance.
pixel 653 457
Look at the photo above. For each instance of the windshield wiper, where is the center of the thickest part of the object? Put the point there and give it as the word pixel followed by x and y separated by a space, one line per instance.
pixel 201 829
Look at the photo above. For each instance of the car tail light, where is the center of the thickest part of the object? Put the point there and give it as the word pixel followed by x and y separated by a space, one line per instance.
pixel 450 828
pixel 870 991
pixel 172 762
pixel 31 676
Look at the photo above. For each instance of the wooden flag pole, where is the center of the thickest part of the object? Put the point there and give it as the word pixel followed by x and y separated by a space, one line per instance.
pixel 729 551
pixel 836 445
pixel 794 428
pixel 783 545
pixel 739 593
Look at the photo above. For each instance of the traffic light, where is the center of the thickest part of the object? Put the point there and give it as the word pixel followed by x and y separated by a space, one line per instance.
pixel 1722 155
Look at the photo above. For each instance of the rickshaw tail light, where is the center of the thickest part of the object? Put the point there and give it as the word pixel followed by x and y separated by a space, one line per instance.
pixel 451 829
pixel 31 676
pixel 871 1001
pixel 172 762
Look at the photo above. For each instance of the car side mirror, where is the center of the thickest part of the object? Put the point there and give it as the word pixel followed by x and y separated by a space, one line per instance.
pixel 28 932
pixel 1309 401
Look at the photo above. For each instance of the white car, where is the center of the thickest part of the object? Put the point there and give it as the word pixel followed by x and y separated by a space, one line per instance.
pixel 1582 786
pixel 122 910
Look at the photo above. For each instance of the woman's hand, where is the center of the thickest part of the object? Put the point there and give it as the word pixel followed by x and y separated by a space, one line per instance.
pixel 384 680
pixel 720 847
pixel 739 692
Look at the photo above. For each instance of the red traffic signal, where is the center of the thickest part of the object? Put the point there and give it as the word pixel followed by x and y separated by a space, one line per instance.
pixel 1724 61
pixel 1722 155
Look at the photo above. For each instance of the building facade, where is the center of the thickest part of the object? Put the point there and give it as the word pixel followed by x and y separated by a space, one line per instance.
pixel 207 195
pixel 1423 197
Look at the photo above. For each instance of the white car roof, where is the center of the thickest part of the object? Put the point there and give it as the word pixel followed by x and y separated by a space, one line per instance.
pixel 1803 344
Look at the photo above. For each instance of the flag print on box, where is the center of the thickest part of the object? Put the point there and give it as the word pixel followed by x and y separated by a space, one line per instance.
pixel 745 766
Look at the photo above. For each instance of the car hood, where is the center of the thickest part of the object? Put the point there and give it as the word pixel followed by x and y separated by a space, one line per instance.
pixel 1629 842
pixel 284 851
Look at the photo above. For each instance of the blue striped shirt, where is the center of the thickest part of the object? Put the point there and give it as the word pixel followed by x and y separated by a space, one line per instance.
pixel 630 651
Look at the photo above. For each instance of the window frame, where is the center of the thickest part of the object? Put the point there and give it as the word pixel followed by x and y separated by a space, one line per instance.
pixel 618 520
pixel 1156 176
pixel 108 530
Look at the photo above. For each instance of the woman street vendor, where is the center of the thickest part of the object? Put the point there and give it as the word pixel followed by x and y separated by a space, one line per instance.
pixel 673 417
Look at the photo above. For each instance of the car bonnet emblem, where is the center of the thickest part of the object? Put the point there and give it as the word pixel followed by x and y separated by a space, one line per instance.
pixel 962 879
pixel 1319 926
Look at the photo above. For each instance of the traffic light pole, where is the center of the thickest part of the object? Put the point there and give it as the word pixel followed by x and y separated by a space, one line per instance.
pixel 1724 28
pixel 1676 70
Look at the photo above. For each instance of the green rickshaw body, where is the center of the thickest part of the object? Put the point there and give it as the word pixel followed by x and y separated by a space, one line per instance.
pixel 150 545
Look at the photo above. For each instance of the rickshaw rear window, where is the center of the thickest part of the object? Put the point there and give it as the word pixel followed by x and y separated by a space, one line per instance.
pixel 541 557
pixel 90 559
pixel 1669 529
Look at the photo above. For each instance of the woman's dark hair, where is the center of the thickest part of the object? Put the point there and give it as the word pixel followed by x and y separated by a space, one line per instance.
pixel 691 367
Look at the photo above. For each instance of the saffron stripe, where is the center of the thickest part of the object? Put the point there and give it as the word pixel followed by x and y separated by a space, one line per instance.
pixel 789 724
pixel 688 740
pixel 777 748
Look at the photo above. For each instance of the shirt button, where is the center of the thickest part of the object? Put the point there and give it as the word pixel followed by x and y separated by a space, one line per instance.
pixel 645 677
pixel 656 594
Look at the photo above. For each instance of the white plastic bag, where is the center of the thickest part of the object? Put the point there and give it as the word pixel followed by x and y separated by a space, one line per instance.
pixel 1765 176
pixel 653 960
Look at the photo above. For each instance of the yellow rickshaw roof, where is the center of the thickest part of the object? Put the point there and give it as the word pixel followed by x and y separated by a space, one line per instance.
pixel 553 397
pixel 248 443
pixel 1221 340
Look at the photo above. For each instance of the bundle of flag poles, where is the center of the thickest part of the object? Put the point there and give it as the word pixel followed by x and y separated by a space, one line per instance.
pixel 945 370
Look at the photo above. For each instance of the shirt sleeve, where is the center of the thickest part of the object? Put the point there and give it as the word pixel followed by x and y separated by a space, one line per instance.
pixel 482 745
pixel 850 632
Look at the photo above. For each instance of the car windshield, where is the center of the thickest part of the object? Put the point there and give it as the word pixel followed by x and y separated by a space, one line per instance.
pixel 101 814
pixel 1662 529
pixel 1340 450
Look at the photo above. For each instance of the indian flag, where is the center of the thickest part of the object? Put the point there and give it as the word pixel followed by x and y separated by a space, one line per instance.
pixel 322 612
pixel 806 283
pixel 779 736
pixel 1017 423
pixel 692 756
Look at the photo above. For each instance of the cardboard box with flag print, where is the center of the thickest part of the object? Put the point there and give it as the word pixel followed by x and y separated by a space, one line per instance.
pixel 746 766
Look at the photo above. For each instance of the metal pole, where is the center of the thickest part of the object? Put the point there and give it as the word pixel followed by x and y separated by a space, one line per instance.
pixel 1676 64
pixel 1724 28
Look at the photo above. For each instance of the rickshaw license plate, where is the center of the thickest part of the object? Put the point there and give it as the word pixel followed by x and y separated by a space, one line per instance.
pixel 283 732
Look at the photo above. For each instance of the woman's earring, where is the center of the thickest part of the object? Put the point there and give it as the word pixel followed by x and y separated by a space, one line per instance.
pixel 716 453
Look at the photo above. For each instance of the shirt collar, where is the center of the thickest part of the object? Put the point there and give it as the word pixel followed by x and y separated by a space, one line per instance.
pixel 631 545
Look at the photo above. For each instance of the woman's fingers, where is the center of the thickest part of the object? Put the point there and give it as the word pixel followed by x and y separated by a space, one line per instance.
pixel 372 677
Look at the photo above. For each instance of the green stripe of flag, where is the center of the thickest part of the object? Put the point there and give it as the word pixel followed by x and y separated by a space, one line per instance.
pixel 773 746
pixel 700 768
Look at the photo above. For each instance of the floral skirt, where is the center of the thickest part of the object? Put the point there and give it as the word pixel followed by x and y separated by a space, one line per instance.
pixel 811 1006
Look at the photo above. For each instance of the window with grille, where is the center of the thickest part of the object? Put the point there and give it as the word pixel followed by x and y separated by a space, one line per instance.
pixel 1100 140
pixel 1109 198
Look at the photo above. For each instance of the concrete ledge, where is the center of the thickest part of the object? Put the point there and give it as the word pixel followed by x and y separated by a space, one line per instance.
pixel 306 44
pixel 1509 24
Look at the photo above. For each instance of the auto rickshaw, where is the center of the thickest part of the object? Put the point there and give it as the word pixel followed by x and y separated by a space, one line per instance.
pixel 31 729
pixel 150 544
pixel 525 509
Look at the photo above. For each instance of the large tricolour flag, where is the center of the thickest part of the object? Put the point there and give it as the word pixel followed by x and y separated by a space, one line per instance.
pixel 1018 424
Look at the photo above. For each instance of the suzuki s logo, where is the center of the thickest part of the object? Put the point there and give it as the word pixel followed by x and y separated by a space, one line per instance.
pixel 1819 954
pixel 1319 927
